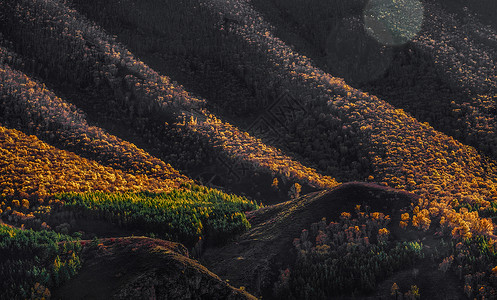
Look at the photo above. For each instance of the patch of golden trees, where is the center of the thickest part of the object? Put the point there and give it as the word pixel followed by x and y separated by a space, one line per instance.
pixel 30 167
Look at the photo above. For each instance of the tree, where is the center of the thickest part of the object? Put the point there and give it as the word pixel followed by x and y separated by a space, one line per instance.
pixel 295 191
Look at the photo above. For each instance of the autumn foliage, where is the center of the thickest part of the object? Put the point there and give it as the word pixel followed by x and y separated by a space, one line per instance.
pixel 425 125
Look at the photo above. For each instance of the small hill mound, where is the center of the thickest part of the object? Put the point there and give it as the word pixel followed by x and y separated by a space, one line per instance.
pixel 139 268
pixel 254 259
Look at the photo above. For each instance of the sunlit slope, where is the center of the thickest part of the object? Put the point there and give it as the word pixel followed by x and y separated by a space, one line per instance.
pixel 29 106
pixel 362 118
pixel 98 62
pixel 394 141
pixel 31 168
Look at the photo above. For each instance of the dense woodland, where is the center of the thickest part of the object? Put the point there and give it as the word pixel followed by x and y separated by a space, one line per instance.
pixel 174 119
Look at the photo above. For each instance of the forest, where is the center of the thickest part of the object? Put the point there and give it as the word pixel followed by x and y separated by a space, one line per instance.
pixel 275 149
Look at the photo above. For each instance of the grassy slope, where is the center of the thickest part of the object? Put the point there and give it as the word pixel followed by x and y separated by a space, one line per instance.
pixel 142 267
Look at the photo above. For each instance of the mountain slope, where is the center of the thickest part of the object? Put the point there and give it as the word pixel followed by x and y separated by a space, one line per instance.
pixel 445 75
pixel 31 167
pixel 146 97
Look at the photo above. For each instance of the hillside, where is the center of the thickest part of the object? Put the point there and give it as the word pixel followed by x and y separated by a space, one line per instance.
pixel 344 132
pixel 29 106
pixel 297 149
